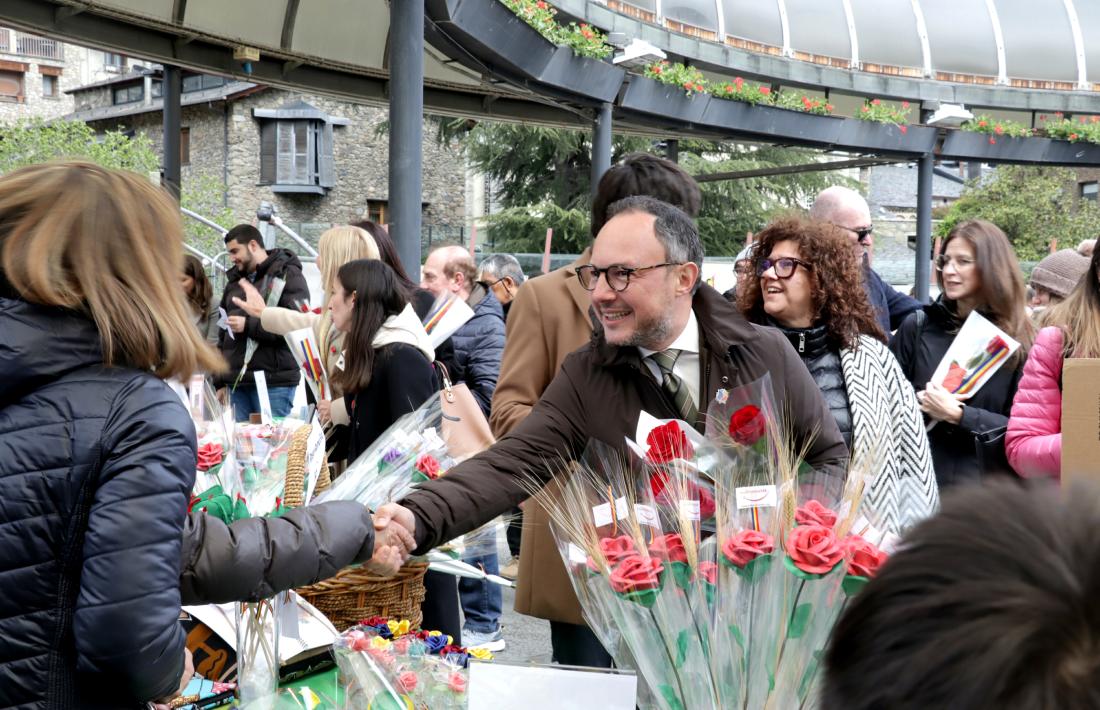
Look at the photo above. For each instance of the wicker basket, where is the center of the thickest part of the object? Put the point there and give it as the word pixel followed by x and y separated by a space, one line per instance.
pixel 355 594
pixel 294 488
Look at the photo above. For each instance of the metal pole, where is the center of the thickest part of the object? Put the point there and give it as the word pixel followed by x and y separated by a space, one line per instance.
pixel 601 145
pixel 406 88
pixel 170 140
pixel 924 226
pixel 672 149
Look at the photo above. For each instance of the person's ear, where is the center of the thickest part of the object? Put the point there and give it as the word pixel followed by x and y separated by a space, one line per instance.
pixel 688 276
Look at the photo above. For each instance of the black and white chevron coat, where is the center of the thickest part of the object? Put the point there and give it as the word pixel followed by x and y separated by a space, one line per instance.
pixel 888 432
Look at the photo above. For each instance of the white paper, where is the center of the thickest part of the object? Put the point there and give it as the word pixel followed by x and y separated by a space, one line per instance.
pixel 690 509
pixel 970 343
pixel 223 323
pixel 536 687
pixel 195 389
pixel 577 555
pixel 456 314
pixel 601 514
pixel 262 395
pixel 647 515
pixel 756 497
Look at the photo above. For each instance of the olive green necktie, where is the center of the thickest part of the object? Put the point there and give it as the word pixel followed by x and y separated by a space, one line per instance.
pixel 674 386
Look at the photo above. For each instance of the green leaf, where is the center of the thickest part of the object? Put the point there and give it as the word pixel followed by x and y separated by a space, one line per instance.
pixel 808 676
pixel 682 641
pixel 644 597
pixel 853 584
pixel 671 697
pixel 754 570
pixel 738 637
pixel 801 574
pixel 681 573
pixel 800 618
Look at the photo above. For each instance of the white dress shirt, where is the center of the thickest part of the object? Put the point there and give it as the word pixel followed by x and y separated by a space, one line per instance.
pixel 687 365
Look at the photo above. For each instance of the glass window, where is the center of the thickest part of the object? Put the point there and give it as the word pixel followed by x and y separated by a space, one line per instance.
pixel 185 145
pixel 11 85
pixel 129 94
pixel 295 163
pixel 113 60
pixel 49 85
pixel 157 89
pixel 198 82
pixel 376 211
pixel 1090 190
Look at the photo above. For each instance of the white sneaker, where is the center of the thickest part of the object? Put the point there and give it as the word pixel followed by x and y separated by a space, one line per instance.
pixel 492 642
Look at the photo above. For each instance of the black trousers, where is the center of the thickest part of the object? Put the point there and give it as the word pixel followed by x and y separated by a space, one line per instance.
pixel 576 645
pixel 514 531
pixel 440 605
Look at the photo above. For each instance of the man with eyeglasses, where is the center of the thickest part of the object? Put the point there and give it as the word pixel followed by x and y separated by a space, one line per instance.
pixel 664 344
pixel 502 274
pixel 848 210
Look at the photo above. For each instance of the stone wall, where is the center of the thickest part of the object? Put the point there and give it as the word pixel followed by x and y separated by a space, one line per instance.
pixel 225 146
pixel 35 104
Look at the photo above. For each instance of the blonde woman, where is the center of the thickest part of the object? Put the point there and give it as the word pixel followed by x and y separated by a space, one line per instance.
pixel 97 453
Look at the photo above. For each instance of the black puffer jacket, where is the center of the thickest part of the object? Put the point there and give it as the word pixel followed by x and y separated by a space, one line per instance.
pixel 823 363
pixel 272 357
pixel 478 346
pixel 973 448
pixel 96 468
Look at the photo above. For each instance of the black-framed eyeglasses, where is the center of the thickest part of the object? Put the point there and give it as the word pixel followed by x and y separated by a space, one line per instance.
pixel 961 264
pixel 618 277
pixel 784 267
pixel 501 280
pixel 861 232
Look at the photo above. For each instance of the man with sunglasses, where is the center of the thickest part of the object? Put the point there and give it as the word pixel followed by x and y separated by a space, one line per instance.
pixel 848 210
pixel 664 343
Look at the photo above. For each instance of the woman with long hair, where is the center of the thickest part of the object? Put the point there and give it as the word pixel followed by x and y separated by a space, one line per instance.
pixel 98 451
pixel 387 370
pixel 204 309
pixel 1034 439
pixel 808 286
pixel 976 271
pixel 420 298
pixel 336 247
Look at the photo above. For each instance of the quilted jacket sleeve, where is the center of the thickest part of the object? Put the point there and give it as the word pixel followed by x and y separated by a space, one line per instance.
pixel 126 622
pixel 1034 438
pixel 256 558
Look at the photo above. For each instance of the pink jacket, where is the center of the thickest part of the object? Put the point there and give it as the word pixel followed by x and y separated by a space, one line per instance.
pixel 1034 438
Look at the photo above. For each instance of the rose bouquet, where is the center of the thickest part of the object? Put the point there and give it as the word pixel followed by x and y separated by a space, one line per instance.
pixel 384 664
pixel 216 479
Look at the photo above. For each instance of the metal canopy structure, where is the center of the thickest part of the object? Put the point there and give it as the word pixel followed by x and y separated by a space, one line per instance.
pixel 477 59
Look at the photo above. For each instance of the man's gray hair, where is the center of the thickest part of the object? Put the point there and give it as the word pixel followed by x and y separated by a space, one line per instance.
pixel 675 230
pixel 501 266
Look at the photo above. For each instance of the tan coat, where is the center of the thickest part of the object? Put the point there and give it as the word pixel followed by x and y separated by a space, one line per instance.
pixel 548 320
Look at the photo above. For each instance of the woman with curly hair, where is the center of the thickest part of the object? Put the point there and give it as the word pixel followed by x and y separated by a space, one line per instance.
pixel 809 287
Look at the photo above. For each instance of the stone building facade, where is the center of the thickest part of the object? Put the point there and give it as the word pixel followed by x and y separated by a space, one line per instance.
pixel 336 152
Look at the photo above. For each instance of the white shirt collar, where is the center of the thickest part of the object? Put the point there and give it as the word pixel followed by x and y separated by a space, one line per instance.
pixel 687 341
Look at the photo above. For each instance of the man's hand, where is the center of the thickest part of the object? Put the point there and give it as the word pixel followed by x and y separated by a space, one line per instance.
pixel 394 514
pixel 188 671
pixel 392 542
pixel 252 303
pixel 324 410
pixel 236 323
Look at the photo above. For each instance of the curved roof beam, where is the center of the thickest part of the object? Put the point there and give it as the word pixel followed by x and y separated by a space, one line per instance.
pixel 922 33
pixel 999 38
pixel 1078 44
pixel 850 19
pixel 287 37
pixel 786 25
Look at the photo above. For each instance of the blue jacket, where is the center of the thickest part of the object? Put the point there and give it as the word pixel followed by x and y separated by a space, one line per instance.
pixel 478 346
pixel 891 307
pixel 96 469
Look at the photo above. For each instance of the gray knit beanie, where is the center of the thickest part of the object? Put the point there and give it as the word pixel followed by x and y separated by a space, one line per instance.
pixel 1060 272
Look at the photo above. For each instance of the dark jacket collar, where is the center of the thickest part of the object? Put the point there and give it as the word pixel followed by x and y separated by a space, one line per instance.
pixel 721 326
pixel 275 264
pixel 808 342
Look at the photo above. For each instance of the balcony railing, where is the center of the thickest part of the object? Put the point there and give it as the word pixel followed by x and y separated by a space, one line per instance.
pixel 29 45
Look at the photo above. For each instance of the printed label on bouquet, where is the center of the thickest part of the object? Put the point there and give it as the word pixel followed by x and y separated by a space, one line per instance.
pixel 195 391
pixel 288 615
pixel 647 515
pixel 262 395
pixel 577 555
pixel 602 514
pixel 315 458
pixel 756 497
pixel 689 509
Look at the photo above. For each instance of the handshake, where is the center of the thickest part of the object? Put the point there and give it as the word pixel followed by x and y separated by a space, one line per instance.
pixel 394 539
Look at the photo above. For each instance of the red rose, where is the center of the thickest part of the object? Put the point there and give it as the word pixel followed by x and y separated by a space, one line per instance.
pixel 739 82
pixel 747 425
pixel 668 442
pixel 765 90
pixel 905 104
pixel 636 574
pixel 427 465
pixel 706 504
pixel 746 545
pixel 668 547
pixel 904 129
pixel 210 455
pixel 814 549
pixel 707 571
pixel 864 559
pixel 876 102
pixel 614 550
pixel 814 513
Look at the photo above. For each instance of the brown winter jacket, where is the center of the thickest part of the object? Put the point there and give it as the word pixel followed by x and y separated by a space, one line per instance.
pixel 599 393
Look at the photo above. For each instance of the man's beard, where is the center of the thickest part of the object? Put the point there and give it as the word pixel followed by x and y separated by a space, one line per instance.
pixel 650 334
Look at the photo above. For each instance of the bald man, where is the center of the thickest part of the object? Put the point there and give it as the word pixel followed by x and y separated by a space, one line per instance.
pixel 848 210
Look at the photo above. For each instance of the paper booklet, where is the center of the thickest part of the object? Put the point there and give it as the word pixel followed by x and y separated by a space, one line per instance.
pixel 448 314
pixel 314 631
pixel 975 355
